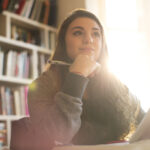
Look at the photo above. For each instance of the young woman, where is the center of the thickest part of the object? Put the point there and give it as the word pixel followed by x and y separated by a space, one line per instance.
pixel 82 103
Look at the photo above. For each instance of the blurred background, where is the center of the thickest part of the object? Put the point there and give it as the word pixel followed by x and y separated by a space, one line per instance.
pixel 126 24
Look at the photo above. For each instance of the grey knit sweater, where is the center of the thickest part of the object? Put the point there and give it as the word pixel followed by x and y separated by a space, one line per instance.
pixel 67 118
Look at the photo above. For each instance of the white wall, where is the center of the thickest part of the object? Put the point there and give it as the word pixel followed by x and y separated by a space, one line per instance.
pixel 98 8
pixel 95 6
pixel 66 6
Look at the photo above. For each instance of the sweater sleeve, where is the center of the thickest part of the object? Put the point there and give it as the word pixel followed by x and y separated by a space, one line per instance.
pixel 53 120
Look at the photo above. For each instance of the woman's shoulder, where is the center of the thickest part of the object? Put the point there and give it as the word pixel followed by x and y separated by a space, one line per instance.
pixel 47 82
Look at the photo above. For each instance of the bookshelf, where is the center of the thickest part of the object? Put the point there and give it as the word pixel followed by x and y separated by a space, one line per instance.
pixel 21 61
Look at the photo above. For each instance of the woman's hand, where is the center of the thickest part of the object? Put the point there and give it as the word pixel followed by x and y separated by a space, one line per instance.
pixel 84 65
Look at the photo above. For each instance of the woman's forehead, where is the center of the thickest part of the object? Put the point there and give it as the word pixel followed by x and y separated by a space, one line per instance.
pixel 84 21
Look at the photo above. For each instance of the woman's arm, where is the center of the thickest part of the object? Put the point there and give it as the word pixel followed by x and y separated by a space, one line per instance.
pixel 53 120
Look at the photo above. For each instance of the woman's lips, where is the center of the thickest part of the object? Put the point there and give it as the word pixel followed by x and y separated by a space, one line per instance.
pixel 87 49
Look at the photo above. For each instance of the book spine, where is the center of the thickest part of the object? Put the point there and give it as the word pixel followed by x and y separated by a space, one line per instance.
pixel 1 62
pixel 21 6
pixel 9 62
pixel 5 4
pixel 17 102
pixel 3 134
pixel 3 97
pixel 8 101
pixel 26 101
pixel 30 4
pixel 22 98
pixel 47 10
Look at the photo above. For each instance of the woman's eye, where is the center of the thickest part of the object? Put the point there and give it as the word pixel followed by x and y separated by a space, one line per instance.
pixel 77 33
pixel 96 34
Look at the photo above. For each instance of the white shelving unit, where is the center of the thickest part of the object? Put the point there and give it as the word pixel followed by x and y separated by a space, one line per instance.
pixel 6 42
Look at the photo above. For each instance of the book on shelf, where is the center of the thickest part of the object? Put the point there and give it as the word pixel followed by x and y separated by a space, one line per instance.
pixel 11 5
pixel 24 9
pixel 44 11
pixel 17 64
pixel 14 100
pixel 21 5
pixel 9 101
pixel 30 5
pixel 30 13
pixel 5 4
pixel 25 35
pixel 1 61
pixel 1 111
pixel 17 102
pixel 53 13
pixel 9 60
pixel 14 33
pixel 22 97
pixel 21 63
pixel 23 92
pixel 3 100
pixel 27 8
pixel 38 13
pixel 3 133
pixel 35 8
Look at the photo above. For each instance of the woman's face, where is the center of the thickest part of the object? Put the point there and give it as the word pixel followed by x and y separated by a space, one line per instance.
pixel 83 36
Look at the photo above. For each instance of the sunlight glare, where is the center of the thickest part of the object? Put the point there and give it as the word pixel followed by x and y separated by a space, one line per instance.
pixel 129 64
pixel 128 48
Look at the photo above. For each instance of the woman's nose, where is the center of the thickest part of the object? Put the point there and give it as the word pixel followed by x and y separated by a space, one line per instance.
pixel 88 38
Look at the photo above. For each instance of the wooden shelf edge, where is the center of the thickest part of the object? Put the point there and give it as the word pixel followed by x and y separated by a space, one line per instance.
pixel 29 21
pixel 15 80
pixel 23 45
pixel 46 51
pixel 11 117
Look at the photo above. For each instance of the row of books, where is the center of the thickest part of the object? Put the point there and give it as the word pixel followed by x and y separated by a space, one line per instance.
pixel 43 11
pixel 16 64
pixel 13 101
pixel 35 37
pixel 26 35
pixel 3 133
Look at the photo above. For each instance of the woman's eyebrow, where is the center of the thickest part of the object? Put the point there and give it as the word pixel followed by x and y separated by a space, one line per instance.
pixel 78 27
pixel 95 28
